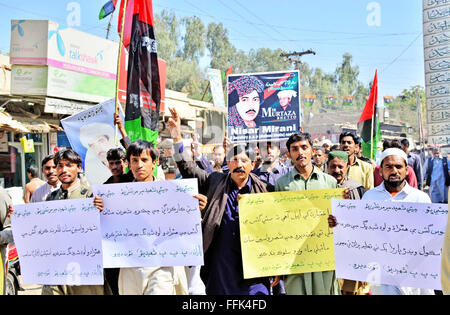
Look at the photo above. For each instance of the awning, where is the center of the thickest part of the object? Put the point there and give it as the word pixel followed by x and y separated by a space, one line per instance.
pixel 10 124
pixel 42 127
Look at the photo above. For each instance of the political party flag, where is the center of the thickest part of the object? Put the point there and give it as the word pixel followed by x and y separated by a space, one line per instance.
pixel 309 99
pixel 388 100
pixel 347 100
pixel 107 9
pixel 330 99
pixel 369 123
pixel 141 119
pixel 129 12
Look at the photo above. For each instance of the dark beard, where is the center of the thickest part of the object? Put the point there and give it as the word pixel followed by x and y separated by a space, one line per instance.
pixel 395 184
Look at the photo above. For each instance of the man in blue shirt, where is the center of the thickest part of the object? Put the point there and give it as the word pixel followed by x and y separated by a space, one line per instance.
pixel 222 272
pixel 437 176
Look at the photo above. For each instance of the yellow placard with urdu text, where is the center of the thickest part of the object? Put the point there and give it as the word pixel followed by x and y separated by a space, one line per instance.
pixel 2 277
pixel 286 232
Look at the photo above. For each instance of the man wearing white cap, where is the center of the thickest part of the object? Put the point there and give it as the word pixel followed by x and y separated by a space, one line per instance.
pixel 97 138
pixel 285 97
pixel 394 187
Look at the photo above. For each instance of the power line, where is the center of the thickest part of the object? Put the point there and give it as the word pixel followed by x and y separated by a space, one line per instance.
pixel 258 18
pixel 237 13
pixel 244 20
pixel 54 18
pixel 215 18
pixel 404 50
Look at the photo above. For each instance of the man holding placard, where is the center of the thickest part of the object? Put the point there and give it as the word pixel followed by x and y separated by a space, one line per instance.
pixel 142 157
pixel 394 187
pixel 222 272
pixel 68 166
pixel 304 176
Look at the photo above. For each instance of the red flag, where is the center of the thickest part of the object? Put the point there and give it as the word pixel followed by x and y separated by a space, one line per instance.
pixel 130 11
pixel 228 72
pixel 369 124
pixel 369 109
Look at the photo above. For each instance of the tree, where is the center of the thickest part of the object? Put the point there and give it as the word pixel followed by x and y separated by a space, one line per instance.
pixel 167 35
pixel 265 59
pixel 347 76
pixel 182 54
pixel 221 50
pixel 348 83
pixel 194 39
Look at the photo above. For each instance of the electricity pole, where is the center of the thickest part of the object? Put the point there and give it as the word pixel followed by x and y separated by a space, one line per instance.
pixel 295 56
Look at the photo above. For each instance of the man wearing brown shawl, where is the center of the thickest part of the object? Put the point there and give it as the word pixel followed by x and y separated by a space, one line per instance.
pixel 222 272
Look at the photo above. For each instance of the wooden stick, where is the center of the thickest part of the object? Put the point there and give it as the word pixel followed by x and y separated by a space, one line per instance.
pixel 116 136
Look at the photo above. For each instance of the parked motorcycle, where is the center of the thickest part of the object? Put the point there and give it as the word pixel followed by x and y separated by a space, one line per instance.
pixel 12 272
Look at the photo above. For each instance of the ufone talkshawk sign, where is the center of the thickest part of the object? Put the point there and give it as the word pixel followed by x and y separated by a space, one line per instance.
pixel 263 106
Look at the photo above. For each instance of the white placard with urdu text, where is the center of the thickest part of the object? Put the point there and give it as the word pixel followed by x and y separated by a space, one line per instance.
pixel 59 242
pixel 394 243
pixel 151 224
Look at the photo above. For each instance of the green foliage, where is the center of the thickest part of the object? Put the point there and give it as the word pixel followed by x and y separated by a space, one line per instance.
pixel 194 39
pixel 167 33
pixel 222 52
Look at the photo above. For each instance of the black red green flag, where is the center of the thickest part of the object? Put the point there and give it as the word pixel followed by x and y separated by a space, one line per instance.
pixel 365 123
pixel 141 120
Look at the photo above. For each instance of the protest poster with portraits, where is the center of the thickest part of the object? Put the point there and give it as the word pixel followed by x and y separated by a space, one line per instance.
pixel 91 134
pixel 263 106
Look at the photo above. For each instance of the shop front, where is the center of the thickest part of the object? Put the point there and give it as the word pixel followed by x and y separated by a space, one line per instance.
pixel 16 156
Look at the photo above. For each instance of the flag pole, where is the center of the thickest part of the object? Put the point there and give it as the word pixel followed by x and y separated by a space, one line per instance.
pixel 373 118
pixel 116 136
pixel 204 93
pixel 371 137
pixel 109 25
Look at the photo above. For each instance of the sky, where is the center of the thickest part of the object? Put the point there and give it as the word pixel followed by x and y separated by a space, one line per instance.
pixel 383 35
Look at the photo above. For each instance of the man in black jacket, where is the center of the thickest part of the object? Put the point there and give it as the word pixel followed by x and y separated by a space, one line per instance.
pixel 222 272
